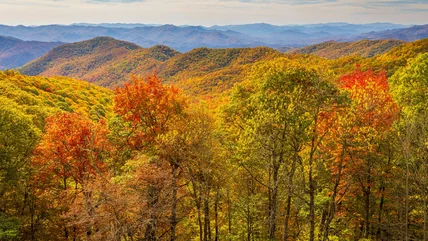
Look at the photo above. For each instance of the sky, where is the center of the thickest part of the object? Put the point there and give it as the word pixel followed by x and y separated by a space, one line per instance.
pixel 212 12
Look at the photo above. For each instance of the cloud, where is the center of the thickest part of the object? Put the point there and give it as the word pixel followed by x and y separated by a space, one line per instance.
pixel 43 3
pixel 416 10
pixel 289 2
pixel 359 3
pixel 115 1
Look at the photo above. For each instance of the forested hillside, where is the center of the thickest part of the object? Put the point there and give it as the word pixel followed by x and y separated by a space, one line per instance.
pixel 104 61
pixel 109 62
pixel 205 72
pixel 363 48
pixel 218 144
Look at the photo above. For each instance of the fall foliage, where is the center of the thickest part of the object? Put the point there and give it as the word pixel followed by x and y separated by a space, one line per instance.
pixel 254 145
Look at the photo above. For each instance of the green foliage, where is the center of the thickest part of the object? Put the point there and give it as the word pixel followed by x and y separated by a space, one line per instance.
pixel 9 228
pixel 293 159
pixel 40 97
pixel 410 86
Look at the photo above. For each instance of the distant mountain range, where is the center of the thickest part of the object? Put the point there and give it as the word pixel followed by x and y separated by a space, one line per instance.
pixel 407 34
pixel 30 42
pixel 15 52
pixel 186 38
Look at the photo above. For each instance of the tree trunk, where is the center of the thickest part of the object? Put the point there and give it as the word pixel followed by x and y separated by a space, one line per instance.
pixel 207 227
pixel 312 190
pixel 311 205
pixel 272 217
pixel 173 220
pixel 216 215
pixel 382 198
pixel 229 213
pixel 425 218
pixel 367 194
pixel 289 197
pixel 332 206
pixel 150 234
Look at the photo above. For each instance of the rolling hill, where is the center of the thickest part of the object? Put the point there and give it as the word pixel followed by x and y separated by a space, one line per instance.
pixel 334 50
pixel 15 52
pixel 109 62
pixel 203 72
pixel 40 97
pixel 103 60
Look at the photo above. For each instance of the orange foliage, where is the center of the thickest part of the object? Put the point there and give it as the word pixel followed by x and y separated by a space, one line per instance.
pixel 71 147
pixel 148 106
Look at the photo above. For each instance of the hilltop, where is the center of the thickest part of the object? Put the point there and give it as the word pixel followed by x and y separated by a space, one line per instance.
pixel 205 72
pixel 103 60
pixel 109 62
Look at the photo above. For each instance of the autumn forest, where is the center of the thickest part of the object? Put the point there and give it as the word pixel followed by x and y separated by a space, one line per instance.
pixel 328 142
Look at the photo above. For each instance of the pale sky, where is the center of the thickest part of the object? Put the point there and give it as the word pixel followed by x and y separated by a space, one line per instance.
pixel 210 12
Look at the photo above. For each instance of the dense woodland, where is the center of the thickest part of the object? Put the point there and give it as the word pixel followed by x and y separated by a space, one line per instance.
pixel 235 144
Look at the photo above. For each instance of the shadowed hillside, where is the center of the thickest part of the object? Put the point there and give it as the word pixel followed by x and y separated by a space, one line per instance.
pixel 15 52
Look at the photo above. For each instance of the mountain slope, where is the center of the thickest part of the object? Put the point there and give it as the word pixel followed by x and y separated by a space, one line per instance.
pixel 363 48
pixel 109 62
pixel 41 97
pixel 15 52
pixel 203 72
pixel 208 72
pixel 103 60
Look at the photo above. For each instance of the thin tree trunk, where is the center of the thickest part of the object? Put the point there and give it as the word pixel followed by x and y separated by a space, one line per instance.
pixel 311 205
pixel 287 218
pixel 289 198
pixel 272 217
pixel 201 231
pixel 207 228
pixel 382 200
pixel 367 193
pixel 312 190
pixel 425 218
pixel 248 222
pixel 229 213
pixel 173 220
pixel 65 227
pixel 332 208
pixel 216 215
